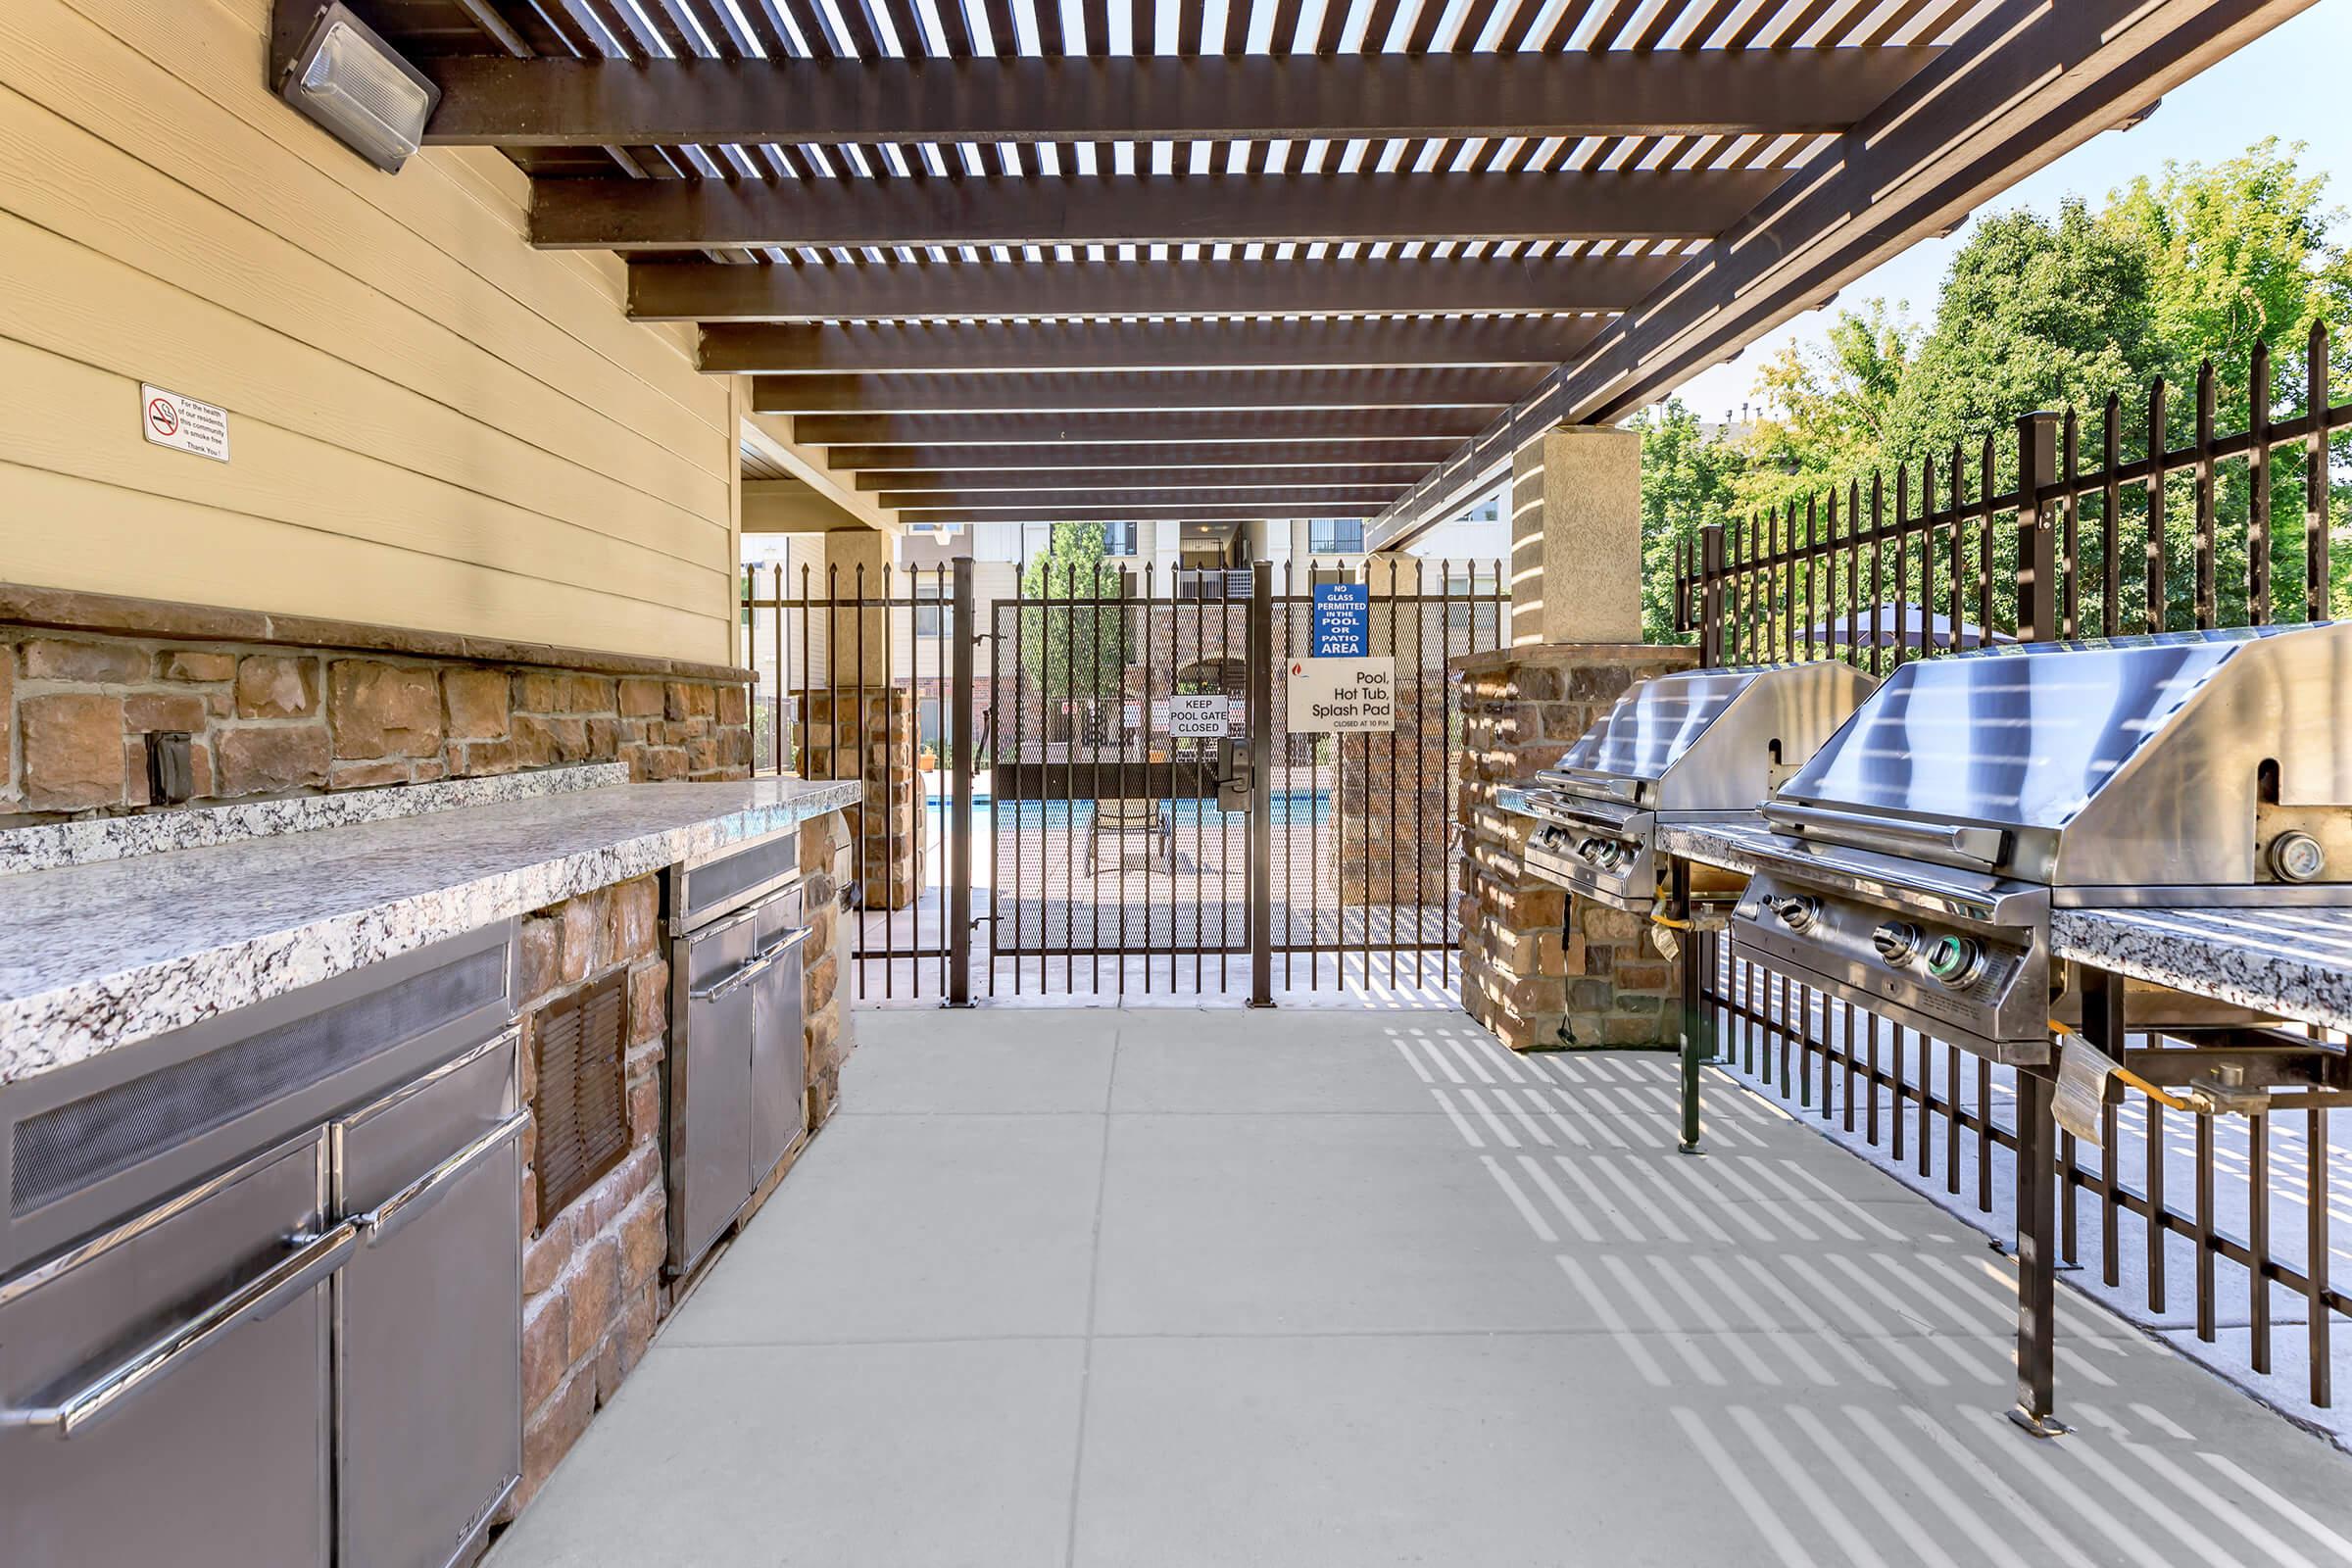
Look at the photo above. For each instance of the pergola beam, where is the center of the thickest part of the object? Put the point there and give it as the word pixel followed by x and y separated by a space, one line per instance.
pixel 967 516
pixel 1278 426
pixel 2028 81
pixel 1141 391
pixel 713 292
pixel 1392 477
pixel 1363 499
pixel 925 348
pixel 622 214
pixel 490 101
pixel 1206 456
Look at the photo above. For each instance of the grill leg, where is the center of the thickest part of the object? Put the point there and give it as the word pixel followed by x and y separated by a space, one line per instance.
pixel 1694 1041
pixel 2037 1262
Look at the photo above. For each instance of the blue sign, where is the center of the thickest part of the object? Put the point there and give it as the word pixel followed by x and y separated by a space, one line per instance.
pixel 1342 620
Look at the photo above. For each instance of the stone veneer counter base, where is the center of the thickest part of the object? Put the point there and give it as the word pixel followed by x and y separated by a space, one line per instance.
pixel 97 957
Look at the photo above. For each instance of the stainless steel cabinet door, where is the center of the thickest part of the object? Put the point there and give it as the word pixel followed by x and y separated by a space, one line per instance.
pixel 710 1091
pixel 167 1383
pixel 429 1361
pixel 779 1056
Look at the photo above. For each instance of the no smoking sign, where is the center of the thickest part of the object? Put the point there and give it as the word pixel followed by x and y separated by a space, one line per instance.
pixel 183 424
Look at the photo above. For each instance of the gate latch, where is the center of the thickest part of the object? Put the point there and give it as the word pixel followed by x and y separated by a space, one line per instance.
pixel 1237 774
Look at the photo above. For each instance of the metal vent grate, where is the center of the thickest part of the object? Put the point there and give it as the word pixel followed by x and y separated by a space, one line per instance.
pixel 63 1150
pixel 581 1102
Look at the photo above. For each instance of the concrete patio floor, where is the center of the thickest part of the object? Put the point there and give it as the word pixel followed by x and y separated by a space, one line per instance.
pixel 1196 1287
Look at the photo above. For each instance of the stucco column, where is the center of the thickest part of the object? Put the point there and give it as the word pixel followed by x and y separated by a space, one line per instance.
pixel 1576 537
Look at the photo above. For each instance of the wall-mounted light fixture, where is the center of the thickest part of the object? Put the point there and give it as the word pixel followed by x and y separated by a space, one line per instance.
pixel 349 81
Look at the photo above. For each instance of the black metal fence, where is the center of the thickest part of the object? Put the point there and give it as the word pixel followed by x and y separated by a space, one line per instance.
pixel 1020 765
pixel 2172 525
pixel 855 679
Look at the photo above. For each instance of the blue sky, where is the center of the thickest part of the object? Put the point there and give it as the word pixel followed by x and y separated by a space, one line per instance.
pixel 2289 84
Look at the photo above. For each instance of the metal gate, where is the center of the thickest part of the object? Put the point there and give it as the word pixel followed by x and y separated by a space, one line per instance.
pixel 1034 823
pixel 1152 826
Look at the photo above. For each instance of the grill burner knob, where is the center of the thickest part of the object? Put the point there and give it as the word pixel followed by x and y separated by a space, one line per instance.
pixel 2297 856
pixel 1897 941
pixel 1798 911
pixel 1955 960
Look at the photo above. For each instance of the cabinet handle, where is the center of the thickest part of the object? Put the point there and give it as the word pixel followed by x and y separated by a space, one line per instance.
pixel 749 968
pixel 121 1386
pixel 394 1214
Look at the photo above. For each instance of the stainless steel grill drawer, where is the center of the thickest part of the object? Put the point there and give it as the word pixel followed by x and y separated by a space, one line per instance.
pixel 164 1393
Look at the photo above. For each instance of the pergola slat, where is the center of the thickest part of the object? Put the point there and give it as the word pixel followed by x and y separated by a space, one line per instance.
pixel 498 102
pixel 1141 391
pixel 1271 425
pixel 967 348
pixel 1364 498
pixel 1142 209
pixel 965 517
pixel 706 291
pixel 1237 477
pixel 888 464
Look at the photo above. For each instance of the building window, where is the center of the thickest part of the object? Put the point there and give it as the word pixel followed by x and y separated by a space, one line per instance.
pixel 934 614
pixel 1118 538
pixel 1341 537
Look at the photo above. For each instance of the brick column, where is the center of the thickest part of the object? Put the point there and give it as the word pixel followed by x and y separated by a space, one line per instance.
pixel 1539 967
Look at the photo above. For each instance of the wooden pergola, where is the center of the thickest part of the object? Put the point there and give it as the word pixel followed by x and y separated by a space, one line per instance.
pixel 1023 260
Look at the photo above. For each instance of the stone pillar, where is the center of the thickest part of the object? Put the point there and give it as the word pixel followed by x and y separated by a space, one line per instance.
pixel 868 731
pixel 1539 967
pixel 1576 537
pixel 1393 800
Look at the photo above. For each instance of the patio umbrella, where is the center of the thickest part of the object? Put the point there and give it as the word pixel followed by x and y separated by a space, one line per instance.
pixel 1896 625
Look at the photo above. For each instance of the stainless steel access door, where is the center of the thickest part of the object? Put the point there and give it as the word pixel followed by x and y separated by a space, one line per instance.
pixel 710 1086
pixel 164 1393
pixel 428 1341
pixel 779 1050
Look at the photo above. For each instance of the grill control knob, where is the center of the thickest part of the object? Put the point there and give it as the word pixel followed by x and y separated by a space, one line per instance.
pixel 2297 857
pixel 1955 960
pixel 1897 941
pixel 1798 911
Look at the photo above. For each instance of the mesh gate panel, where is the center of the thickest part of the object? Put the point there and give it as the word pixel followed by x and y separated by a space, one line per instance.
pixel 1103 827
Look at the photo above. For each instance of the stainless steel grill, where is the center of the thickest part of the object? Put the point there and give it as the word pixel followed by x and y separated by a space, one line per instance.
pixel 1690 746
pixel 1912 865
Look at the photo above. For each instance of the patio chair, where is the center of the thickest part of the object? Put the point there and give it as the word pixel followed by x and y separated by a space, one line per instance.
pixel 1119 820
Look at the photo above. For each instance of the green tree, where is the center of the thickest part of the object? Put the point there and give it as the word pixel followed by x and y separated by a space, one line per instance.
pixel 1080 651
pixel 2239 255
pixel 2062 312
pixel 1830 406
pixel 1688 479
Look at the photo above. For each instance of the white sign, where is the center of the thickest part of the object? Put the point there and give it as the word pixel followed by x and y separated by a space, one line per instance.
pixel 183 423
pixel 1197 714
pixel 1342 696
pixel 1134 714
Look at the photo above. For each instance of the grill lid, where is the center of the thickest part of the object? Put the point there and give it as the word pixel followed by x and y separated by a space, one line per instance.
pixel 1709 740
pixel 2129 761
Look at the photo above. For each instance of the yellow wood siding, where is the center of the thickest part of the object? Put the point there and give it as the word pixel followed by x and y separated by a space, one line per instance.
pixel 431 425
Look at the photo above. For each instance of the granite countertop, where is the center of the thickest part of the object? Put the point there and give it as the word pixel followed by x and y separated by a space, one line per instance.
pixel 2294 962
pixel 99 955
